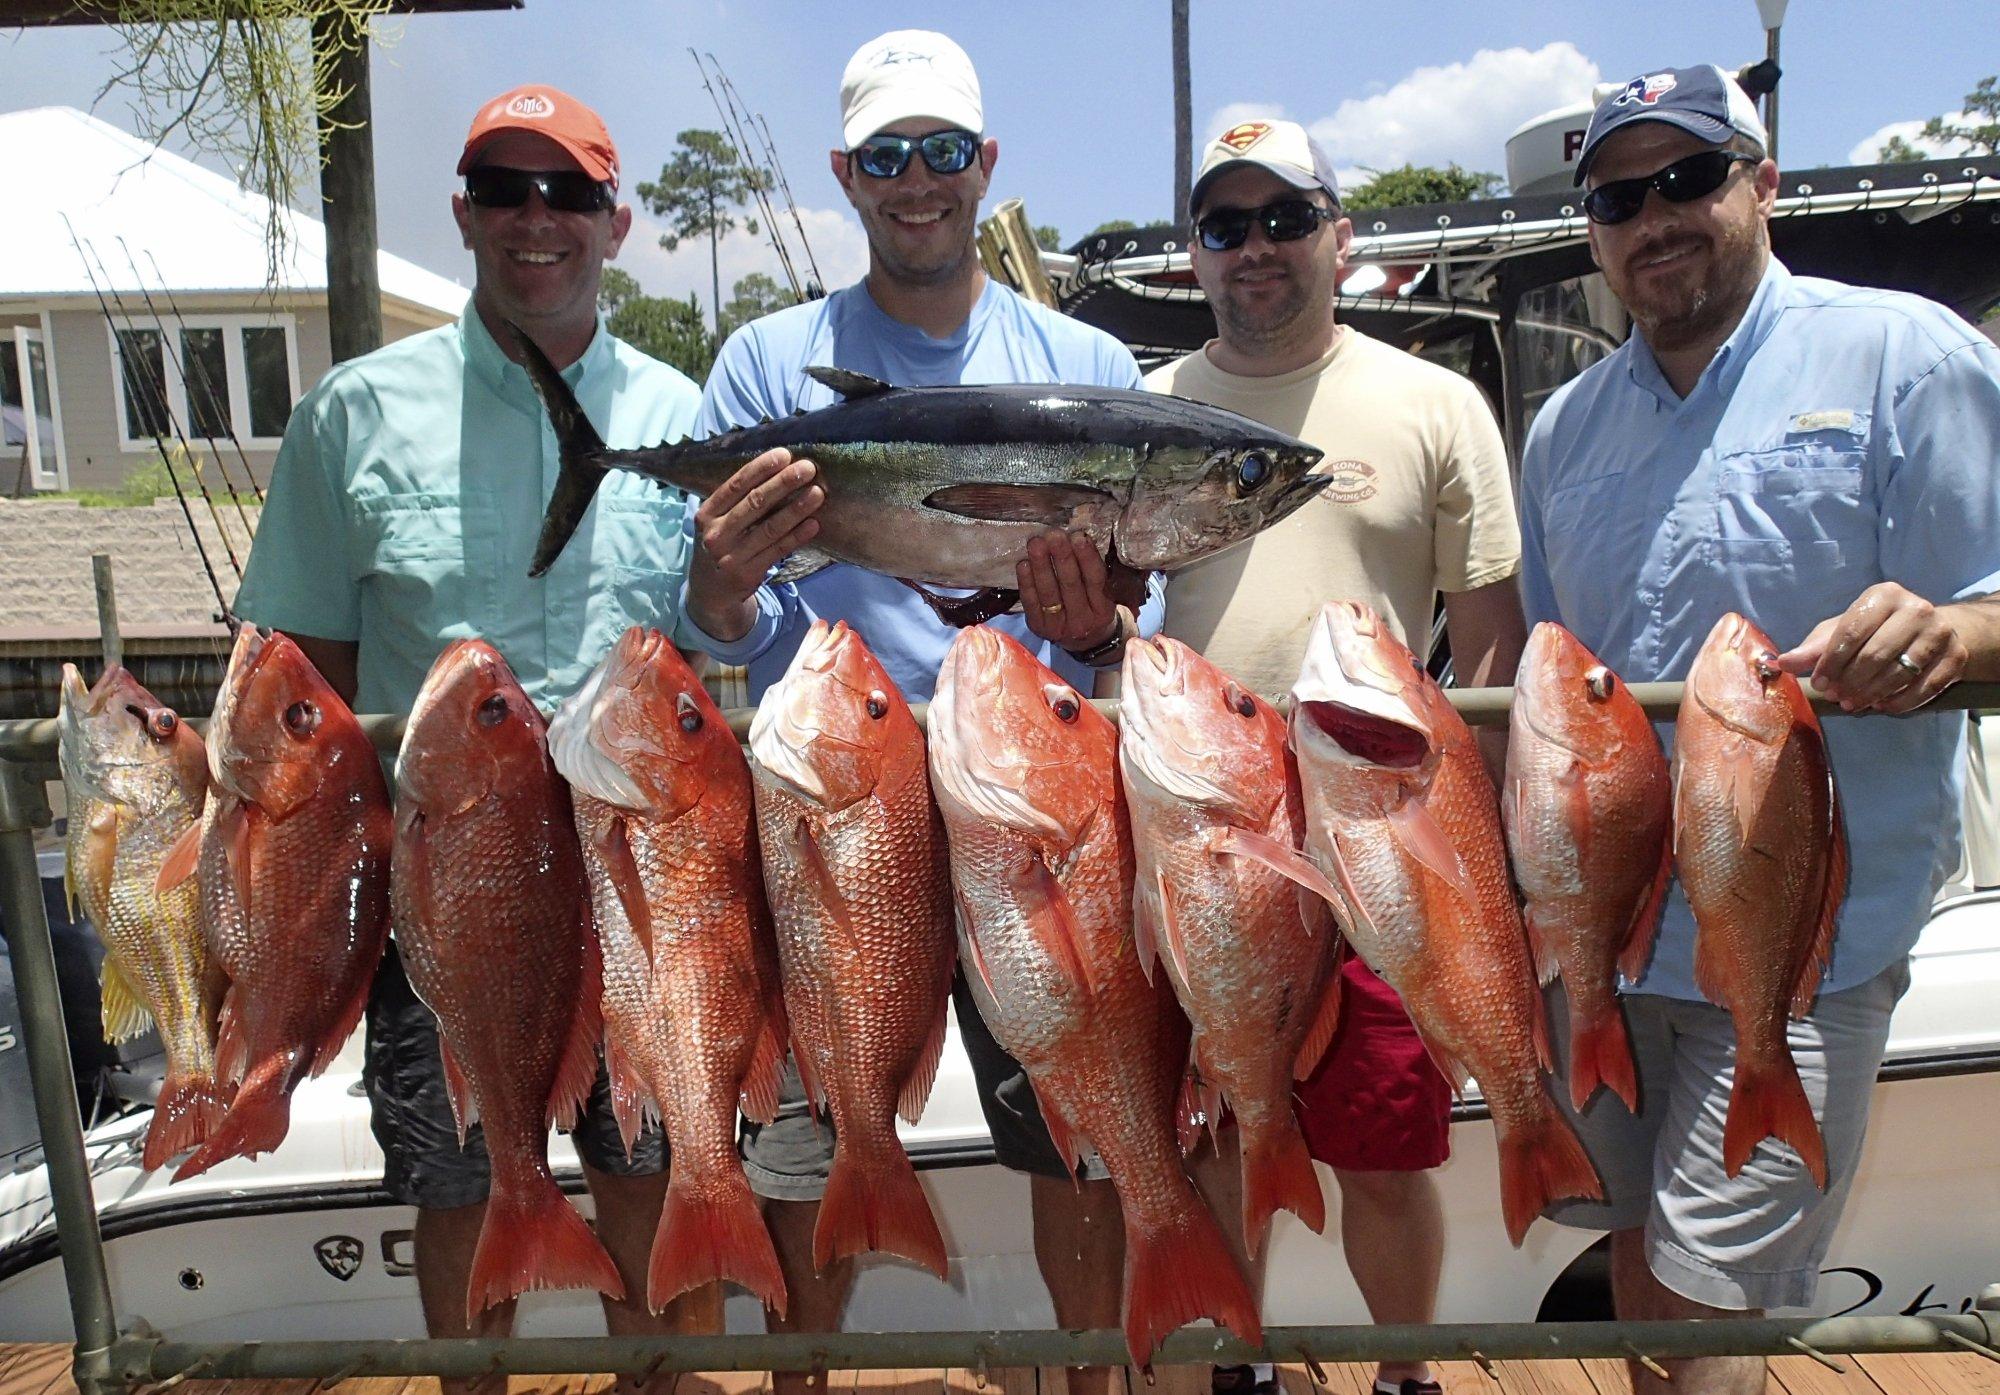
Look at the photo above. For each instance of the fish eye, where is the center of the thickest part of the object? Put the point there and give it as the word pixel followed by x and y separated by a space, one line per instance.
pixel 302 718
pixel 689 712
pixel 1766 664
pixel 878 705
pixel 1240 702
pixel 1062 701
pixel 493 711
pixel 163 723
pixel 1253 469
pixel 1600 681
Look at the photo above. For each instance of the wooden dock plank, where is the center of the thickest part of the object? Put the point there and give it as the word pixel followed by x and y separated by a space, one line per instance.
pixel 1960 1373
pixel 42 1370
pixel 1801 1375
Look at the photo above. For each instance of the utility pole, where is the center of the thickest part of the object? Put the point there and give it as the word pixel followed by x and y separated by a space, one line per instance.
pixel 1183 116
pixel 347 188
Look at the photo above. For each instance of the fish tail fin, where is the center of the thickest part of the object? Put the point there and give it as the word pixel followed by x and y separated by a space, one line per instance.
pixel 532 1238
pixel 1767 1101
pixel 1600 1053
pixel 1278 1175
pixel 704 1238
pixel 1180 1272
pixel 1542 1161
pixel 873 1201
pixel 258 1119
pixel 190 1107
pixel 580 472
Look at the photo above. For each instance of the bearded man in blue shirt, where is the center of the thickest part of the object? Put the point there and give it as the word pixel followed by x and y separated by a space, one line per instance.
pixel 1819 458
pixel 915 162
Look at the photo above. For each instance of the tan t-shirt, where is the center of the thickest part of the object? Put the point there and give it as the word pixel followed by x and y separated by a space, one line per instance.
pixel 1421 502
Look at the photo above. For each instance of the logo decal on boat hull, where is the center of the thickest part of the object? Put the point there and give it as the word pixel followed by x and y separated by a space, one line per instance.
pixel 339 1255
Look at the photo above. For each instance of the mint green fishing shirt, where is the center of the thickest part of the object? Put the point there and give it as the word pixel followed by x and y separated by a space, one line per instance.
pixel 406 498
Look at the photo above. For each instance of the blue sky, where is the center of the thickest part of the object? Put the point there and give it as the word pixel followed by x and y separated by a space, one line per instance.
pixel 1079 96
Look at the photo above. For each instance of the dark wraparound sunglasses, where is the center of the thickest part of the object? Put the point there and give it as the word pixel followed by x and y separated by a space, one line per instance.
pixel 1287 220
pixel 565 191
pixel 1684 181
pixel 945 152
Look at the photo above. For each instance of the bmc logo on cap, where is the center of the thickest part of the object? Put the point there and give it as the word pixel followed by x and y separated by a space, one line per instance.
pixel 531 106
pixel 1647 90
pixel 1241 138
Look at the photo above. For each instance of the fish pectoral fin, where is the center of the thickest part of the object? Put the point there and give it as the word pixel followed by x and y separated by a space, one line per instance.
pixel 1542 948
pixel 98 851
pixel 1281 858
pixel 182 856
pixel 464 1106
pixel 1052 919
pixel 1419 833
pixel 959 611
pixel 850 385
pixel 1145 928
pixel 1638 948
pixel 1326 1017
pixel 1449 1066
pixel 1168 928
pixel 576 1070
pixel 612 840
pixel 800 565
pixel 917 1089
pixel 819 876
pixel 631 1101
pixel 1052 505
pixel 233 825
pixel 1833 888
pixel 122 1004
pixel 1061 1135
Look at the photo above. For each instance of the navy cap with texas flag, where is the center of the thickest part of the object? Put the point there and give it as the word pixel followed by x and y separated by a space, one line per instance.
pixel 1704 101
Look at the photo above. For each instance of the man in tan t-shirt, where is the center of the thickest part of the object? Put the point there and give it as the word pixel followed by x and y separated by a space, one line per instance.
pixel 1421 503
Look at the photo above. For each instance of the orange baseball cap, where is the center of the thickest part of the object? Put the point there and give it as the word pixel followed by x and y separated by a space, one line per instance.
pixel 548 112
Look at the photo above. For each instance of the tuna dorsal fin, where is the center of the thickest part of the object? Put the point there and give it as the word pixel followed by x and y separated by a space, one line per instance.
pixel 122 1005
pixel 992 501
pixel 852 386
pixel 800 565
pixel 1285 861
pixel 1833 890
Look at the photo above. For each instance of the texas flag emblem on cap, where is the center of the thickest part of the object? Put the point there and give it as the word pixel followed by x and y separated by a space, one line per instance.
pixel 1648 90
pixel 1241 137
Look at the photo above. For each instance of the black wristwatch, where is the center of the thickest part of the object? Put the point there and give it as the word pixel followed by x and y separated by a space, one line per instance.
pixel 1108 652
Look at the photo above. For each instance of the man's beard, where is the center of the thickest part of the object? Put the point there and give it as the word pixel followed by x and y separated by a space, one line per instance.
pixel 1681 317
pixel 944 267
pixel 1277 324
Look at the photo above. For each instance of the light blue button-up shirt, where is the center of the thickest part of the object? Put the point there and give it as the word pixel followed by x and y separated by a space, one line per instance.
pixel 1840 438
pixel 760 374
pixel 406 500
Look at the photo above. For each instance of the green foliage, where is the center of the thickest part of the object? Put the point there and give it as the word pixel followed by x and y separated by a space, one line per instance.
pixel 668 329
pixel 752 298
pixel 1977 134
pixel 699 192
pixel 1897 151
pixel 1414 184
pixel 1048 237
pixel 1116 225
pixel 155 480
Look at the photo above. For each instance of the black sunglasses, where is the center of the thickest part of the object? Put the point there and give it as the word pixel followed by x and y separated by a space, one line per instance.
pixel 564 191
pixel 886 156
pixel 1685 180
pixel 1287 220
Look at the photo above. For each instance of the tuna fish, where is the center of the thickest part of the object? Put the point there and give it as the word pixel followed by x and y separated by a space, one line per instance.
pixel 854 856
pixel 136 777
pixel 692 1013
pixel 1588 814
pixel 1041 866
pixel 493 920
pixel 294 872
pixel 1401 813
pixel 1762 852
pixel 946 485
pixel 1216 824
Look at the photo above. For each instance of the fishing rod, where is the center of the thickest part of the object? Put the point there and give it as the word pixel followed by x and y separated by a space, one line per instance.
pixel 207 387
pixel 817 286
pixel 166 290
pixel 159 442
pixel 159 387
pixel 739 110
pixel 741 145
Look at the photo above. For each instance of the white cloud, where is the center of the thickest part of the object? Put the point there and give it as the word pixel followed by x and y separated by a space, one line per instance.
pixel 1458 113
pixel 1867 150
pixel 838 245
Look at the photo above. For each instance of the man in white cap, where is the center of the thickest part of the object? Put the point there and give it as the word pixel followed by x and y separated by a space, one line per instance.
pixel 914 161
pixel 1818 458
pixel 1421 504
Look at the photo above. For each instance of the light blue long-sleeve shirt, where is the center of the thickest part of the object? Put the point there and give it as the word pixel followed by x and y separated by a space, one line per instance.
pixel 1840 438
pixel 760 374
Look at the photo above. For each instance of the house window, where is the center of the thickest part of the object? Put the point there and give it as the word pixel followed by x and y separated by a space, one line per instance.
pixel 206 378
pixel 27 410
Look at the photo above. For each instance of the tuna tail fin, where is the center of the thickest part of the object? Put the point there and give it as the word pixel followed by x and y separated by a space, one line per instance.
pixel 581 474
pixel 1179 1272
pixel 532 1238
pixel 1600 1053
pixel 258 1119
pixel 704 1238
pixel 189 1108
pixel 873 1201
pixel 1542 1161
pixel 1278 1174
pixel 1767 1101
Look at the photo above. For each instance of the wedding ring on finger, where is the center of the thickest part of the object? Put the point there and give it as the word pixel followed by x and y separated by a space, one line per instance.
pixel 1053 608
pixel 1908 664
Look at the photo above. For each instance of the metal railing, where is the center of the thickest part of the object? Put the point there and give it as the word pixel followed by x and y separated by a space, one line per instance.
pixel 106 1360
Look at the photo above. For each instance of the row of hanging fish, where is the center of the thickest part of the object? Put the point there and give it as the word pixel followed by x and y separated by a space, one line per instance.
pixel 1149 915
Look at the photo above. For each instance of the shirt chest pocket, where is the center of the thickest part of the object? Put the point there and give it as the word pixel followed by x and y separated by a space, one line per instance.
pixel 1802 505
pixel 638 558
pixel 412 558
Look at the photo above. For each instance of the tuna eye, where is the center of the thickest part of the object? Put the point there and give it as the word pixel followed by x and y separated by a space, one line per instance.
pixel 302 718
pixel 878 705
pixel 1252 470
pixel 493 711
pixel 690 713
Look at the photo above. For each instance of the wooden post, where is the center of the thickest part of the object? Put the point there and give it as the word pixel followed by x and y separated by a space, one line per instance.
pixel 107 610
pixel 347 189
pixel 1183 117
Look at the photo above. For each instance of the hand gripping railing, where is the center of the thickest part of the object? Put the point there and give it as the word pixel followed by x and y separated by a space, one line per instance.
pixel 105 1360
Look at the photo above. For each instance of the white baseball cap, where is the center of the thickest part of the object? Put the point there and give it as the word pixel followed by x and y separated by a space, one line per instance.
pixel 1282 147
pixel 906 73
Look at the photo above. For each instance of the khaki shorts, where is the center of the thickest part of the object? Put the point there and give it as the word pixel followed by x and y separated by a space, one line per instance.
pixel 1756 1240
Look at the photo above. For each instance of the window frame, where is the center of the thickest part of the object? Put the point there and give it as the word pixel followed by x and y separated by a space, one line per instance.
pixel 15 341
pixel 234 365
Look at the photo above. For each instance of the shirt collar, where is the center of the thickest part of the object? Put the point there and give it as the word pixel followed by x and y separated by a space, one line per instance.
pixel 506 377
pixel 912 337
pixel 1725 370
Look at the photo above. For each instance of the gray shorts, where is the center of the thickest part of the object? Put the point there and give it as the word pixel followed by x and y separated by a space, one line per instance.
pixel 1755 1240
pixel 788 1159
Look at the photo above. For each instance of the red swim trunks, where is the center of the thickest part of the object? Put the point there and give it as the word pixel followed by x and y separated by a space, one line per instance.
pixel 1376 1103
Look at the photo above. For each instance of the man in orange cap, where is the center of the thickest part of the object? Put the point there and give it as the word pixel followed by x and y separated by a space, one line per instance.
pixel 401 514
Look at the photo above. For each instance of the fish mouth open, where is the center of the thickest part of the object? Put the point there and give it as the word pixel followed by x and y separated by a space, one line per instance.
pixel 1369 737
